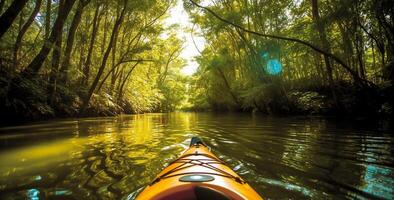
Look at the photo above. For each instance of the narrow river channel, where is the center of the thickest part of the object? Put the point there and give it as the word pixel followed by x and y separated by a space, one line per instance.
pixel 111 158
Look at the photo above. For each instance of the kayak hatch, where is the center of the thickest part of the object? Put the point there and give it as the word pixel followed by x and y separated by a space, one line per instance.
pixel 196 175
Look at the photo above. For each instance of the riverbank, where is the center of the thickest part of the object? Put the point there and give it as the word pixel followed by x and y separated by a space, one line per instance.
pixel 284 99
pixel 354 105
pixel 23 100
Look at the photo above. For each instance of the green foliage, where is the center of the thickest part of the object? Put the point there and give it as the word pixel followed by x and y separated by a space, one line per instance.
pixel 24 98
pixel 140 69
pixel 232 74
pixel 139 76
pixel 308 102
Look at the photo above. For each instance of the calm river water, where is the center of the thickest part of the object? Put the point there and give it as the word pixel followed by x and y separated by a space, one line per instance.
pixel 282 158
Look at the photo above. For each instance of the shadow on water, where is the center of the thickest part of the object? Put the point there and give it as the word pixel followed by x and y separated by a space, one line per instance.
pixel 111 158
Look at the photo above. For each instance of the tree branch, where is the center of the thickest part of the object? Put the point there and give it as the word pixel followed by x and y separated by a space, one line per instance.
pixel 119 63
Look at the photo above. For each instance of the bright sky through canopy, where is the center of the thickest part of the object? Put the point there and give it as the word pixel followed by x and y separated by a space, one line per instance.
pixel 178 15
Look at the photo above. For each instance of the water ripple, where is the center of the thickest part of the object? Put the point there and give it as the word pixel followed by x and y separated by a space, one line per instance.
pixel 115 157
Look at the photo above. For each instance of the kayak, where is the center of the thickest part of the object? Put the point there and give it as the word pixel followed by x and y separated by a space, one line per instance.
pixel 196 175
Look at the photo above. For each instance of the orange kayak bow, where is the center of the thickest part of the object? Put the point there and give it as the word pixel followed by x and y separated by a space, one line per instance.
pixel 198 174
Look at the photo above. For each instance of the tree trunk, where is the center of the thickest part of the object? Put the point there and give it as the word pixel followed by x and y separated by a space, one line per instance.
pixel 360 53
pixel 105 57
pixel 171 57
pixel 63 75
pixel 106 27
pixel 120 92
pixel 384 10
pixel 34 67
pixel 346 41
pixel 325 46
pixel 8 17
pixel 53 75
pixel 48 18
pixel 81 57
pixel 86 68
pixel 235 99
pixel 56 57
pixel 113 74
pixel 384 14
pixel 23 31
pixel 359 40
pixel 374 62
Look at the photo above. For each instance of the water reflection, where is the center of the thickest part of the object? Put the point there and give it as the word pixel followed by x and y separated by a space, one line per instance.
pixel 32 194
pixel 112 158
pixel 375 181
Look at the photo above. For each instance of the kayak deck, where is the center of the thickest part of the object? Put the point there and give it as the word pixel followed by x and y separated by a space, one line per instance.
pixel 198 174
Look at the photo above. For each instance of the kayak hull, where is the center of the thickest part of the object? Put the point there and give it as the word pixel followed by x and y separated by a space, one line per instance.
pixel 198 174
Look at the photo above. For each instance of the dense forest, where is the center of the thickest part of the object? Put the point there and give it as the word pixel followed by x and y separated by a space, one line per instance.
pixel 88 57
pixel 305 56
pixel 105 57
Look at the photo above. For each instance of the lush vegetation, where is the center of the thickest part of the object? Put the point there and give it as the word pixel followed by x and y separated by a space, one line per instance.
pixel 88 57
pixel 304 56
pixel 105 57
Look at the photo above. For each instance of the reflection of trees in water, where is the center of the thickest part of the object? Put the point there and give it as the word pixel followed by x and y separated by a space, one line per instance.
pixel 299 158
pixel 103 169
pixel 116 166
pixel 282 157
pixel 338 163
pixel 111 172
pixel 376 169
